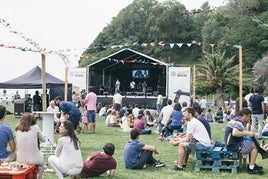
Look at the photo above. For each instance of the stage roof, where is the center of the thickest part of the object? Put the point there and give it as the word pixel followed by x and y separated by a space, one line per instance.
pixel 126 57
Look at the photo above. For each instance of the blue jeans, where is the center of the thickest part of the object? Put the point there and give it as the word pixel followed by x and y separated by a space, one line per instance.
pixel 170 128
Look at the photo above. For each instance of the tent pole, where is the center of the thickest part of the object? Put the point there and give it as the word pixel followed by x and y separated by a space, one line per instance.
pixel 44 95
pixel 66 83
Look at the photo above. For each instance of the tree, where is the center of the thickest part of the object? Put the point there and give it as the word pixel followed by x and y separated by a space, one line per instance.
pixel 261 72
pixel 218 71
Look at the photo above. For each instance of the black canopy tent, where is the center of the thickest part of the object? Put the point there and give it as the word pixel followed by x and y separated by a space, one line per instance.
pixel 121 65
pixel 33 80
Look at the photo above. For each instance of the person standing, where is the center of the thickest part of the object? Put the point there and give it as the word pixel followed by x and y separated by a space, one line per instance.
pixel 256 102
pixel 91 102
pixel 68 157
pixel 100 162
pixel 27 135
pixel 117 86
pixel 6 138
pixel 132 86
pixel 69 111
pixel 137 155
pixel 37 102
pixel 159 102
pixel 144 87
pixel 203 104
pixel 117 101
pixel 17 95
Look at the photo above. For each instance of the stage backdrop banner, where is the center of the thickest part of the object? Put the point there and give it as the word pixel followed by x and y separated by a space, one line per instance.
pixel 179 81
pixel 77 76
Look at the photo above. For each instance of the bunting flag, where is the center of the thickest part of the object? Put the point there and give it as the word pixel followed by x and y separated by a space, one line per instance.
pixel 63 53
pixel 180 44
pixel 212 45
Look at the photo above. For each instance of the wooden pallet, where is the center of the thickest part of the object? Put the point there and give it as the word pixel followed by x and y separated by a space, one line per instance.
pixel 217 165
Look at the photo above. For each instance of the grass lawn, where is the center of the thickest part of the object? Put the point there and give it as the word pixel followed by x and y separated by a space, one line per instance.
pixel 168 153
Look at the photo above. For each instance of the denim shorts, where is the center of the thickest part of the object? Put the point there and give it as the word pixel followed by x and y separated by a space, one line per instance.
pixel 91 116
pixel 197 146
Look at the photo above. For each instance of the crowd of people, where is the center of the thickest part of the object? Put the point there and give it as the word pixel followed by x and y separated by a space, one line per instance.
pixel 186 126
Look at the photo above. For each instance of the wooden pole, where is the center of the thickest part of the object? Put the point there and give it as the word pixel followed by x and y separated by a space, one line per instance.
pixel 240 78
pixel 194 84
pixel 66 83
pixel 44 96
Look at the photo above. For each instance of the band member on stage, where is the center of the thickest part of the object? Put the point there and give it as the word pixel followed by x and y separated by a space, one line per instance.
pixel 117 85
pixel 132 86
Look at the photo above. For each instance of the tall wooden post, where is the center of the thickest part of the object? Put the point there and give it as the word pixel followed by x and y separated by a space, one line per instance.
pixel 44 96
pixel 66 83
pixel 240 78
pixel 194 82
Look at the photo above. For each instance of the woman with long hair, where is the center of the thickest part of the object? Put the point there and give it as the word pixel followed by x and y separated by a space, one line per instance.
pixel 68 158
pixel 27 135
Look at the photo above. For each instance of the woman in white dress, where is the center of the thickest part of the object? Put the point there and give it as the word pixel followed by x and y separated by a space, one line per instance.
pixel 68 158
pixel 27 135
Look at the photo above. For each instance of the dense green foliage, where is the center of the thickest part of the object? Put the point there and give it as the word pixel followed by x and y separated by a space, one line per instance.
pixel 145 23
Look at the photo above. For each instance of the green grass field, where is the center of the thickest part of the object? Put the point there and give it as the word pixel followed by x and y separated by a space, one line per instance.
pixel 168 153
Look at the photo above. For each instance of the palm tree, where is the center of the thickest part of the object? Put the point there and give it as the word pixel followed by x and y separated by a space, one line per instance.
pixel 219 71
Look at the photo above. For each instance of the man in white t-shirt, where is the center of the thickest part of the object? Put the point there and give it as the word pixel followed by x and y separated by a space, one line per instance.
pixel 117 101
pixel 135 111
pixel 132 86
pixel 164 115
pixel 196 138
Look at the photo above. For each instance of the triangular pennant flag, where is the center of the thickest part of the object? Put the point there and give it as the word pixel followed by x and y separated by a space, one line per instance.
pixel 212 45
pixel 152 44
pixel 162 43
pixel 171 45
pixel 179 44
pixel 189 44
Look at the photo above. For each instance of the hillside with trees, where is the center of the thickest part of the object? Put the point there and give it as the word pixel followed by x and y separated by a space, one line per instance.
pixel 169 32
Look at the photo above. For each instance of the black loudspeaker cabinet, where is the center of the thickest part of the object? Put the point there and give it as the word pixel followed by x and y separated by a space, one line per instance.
pixel 19 109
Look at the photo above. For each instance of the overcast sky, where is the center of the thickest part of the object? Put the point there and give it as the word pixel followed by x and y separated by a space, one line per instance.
pixel 55 25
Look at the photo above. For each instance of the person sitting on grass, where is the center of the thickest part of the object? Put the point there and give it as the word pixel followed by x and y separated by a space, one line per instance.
pixel 137 155
pixel 196 138
pixel 6 138
pixel 174 122
pixel 126 122
pixel 100 162
pixel 235 141
pixel 111 119
pixel 140 125
pixel 68 157
pixel 264 131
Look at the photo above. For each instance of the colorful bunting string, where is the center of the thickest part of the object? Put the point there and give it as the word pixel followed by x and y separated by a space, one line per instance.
pixel 63 53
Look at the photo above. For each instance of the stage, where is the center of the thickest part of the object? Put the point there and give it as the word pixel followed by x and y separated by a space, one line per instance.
pixel 131 100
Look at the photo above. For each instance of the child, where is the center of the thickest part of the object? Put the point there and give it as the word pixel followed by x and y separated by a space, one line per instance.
pixel 84 118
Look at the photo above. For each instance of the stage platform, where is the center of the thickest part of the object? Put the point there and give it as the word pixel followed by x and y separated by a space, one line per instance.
pixel 131 100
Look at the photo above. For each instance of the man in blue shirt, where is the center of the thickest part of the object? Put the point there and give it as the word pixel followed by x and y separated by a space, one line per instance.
pixel 137 155
pixel 201 118
pixel 6 138
pixel 69 110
